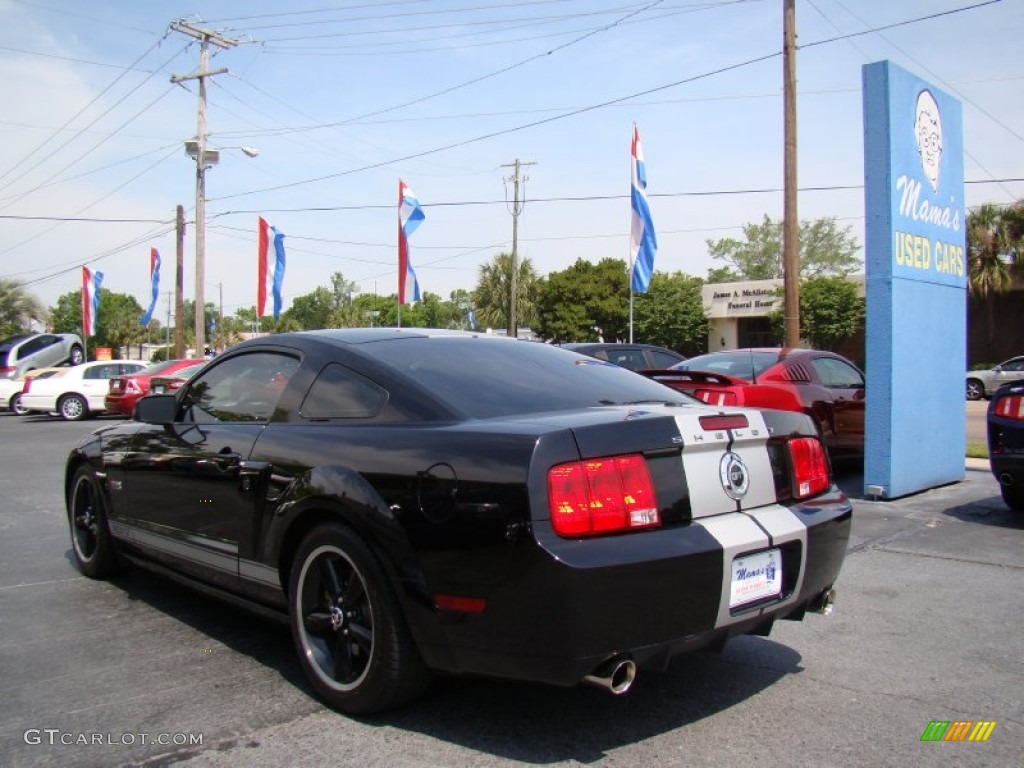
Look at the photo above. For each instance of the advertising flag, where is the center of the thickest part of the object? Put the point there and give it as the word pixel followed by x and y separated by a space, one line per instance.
pixel 643 244
pixel 154 279
pixel 410 214
pixel 270 270
pixel 91 282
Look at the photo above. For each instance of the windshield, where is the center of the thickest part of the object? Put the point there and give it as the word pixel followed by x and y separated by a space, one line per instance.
pixel 741 363
pixel 488 377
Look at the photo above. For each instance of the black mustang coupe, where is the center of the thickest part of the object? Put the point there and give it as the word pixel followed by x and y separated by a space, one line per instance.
pixel 421 502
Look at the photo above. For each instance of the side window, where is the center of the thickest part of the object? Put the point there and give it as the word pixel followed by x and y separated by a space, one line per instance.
pixel 340 393
pixel 628 358
pixel 661 360
pixel 243 388
pixel 837 374
pixel 32 346
pixel 130 367
pixel 1015 365
pixel 102 371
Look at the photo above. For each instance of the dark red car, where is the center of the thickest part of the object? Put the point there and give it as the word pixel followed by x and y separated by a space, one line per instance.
pixel 169 383
pixel 823 384
pixel 125 390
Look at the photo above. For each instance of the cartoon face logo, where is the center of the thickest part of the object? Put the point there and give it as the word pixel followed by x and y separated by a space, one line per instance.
pixel 928 135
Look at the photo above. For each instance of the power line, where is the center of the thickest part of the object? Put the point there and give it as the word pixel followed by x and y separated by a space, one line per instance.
pixel 573 113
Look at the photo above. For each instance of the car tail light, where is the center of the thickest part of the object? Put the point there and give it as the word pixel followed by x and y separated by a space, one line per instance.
pixel 602 496
pixel 1010 407
pixel 809 467
pixel 132 387
pixel 716 397
pixel 6 373
pixel 174 384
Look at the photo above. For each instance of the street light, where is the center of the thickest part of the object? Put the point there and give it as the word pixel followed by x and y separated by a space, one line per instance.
pixel 205 157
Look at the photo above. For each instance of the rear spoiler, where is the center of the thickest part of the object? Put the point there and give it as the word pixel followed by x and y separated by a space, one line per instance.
pixel 668 376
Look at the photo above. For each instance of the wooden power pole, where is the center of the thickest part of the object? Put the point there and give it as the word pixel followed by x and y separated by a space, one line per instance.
pixel 790 222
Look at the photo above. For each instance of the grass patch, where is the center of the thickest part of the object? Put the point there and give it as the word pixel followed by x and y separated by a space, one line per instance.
pixel 977 451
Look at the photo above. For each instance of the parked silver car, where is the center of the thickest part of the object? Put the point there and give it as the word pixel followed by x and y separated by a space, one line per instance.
pixel 984 383
pixel 21 354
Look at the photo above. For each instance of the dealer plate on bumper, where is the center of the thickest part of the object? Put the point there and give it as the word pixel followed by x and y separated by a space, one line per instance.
pixel 755 577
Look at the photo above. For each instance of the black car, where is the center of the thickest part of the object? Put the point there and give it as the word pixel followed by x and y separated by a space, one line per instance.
pixel 1006 442
pixel 636 357
pixel 413 509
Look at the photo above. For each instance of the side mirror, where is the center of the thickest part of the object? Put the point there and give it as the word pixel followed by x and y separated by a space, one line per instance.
pixel 155 409
pixel 998 369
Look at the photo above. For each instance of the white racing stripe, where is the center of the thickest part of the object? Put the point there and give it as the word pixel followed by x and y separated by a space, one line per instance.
pixel 741 533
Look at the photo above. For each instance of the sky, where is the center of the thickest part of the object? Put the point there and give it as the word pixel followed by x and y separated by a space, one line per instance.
pixel 343 99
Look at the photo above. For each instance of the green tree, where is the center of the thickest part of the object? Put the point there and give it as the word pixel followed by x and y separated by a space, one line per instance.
pixel 824 249
pixel 671 314
pixel 18 308
pixel 117 321
pixel 493 289
pixel 311 310
pixel 830 311
pixel 995 252
pixel 584 302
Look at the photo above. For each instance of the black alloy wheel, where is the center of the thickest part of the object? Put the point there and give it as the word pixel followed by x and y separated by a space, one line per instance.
pixel 91 542
pixel 348 629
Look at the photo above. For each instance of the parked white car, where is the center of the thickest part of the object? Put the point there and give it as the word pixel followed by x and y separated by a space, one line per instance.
pixel 10 389
pixel 75 393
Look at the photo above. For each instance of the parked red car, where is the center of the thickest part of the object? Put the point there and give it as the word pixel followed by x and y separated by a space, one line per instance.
pixel 823 384
pixel 168 383
pixel 125 390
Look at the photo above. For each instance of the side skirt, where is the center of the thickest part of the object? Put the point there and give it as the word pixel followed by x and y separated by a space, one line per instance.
pixel 263 611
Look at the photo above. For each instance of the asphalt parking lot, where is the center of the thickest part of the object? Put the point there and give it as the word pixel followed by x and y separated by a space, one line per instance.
pixel 927 626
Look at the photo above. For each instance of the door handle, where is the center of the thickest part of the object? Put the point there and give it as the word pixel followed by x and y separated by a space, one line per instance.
pixel 249 473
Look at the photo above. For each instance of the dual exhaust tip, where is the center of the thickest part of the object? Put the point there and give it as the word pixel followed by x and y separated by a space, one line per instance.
pixel 615 675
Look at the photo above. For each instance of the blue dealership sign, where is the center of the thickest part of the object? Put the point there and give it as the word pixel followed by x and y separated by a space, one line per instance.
pixel 916 269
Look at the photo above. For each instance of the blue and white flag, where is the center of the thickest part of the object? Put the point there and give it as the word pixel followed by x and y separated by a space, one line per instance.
pixel 154 279
pixel 643 243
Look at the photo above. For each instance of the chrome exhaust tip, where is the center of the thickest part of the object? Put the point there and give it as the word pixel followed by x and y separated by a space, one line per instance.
pixel 615 675
pixel 827 600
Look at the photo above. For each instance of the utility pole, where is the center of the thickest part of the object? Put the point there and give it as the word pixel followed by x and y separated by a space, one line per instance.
pixel 203 158
pixel 512 330
pixel 179 288
pixel 790 223
pixel 220 320
pixel 167 329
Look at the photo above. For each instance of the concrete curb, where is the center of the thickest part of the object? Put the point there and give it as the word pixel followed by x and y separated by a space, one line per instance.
pixel 980 465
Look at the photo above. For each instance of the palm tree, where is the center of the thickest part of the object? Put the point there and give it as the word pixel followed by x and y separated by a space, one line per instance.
pixel 18 308
pixel 491 295
pixel 995 243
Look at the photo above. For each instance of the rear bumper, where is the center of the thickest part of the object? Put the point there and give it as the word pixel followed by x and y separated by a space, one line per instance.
pixel 649 596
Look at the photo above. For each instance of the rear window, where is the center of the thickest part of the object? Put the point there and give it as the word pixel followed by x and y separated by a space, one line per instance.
pixel 159 367
pixel 486 377
pixel 743 364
